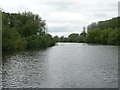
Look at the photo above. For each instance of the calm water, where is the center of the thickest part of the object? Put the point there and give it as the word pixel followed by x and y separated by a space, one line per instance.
pixel 66 65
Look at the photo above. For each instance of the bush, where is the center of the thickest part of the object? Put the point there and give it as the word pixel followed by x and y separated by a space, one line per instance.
pixel 12 41
pixel 36 41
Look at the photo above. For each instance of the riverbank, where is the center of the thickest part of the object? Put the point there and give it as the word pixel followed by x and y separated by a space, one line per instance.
pixel 103 32
pixel 24 31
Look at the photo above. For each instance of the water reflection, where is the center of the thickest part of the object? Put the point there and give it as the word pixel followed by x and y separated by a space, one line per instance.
pixel 66 65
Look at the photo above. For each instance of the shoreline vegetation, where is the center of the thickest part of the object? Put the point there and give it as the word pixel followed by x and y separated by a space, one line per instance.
pixel 103 32
pixel 21 31
pixel 24 31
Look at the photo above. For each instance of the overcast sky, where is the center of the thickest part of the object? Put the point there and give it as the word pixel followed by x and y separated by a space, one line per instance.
pixel 65 16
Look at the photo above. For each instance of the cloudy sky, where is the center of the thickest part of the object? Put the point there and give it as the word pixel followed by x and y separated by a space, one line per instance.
pixel 65 16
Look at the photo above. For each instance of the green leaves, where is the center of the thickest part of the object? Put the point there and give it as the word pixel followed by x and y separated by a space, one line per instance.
pixel 24 30
pixel 36 41
pixel 103 32
pixel 12 41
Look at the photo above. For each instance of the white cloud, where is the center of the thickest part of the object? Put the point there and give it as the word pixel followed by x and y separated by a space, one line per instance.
pixel 65 16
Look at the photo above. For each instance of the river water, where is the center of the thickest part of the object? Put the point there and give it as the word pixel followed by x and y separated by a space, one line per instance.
pixel 66 65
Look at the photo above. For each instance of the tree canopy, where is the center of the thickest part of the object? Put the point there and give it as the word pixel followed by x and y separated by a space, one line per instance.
pixel 27 30
pixel 102 32
pixel 24 30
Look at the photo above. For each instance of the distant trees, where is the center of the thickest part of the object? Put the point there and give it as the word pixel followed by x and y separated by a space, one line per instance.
pixel 103 32
pixel 27 30
pixel 74 37
pixel 24 30
pixel 62 39
pixel 56 38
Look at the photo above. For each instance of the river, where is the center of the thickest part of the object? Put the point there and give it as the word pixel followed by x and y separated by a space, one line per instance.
pixel 66 65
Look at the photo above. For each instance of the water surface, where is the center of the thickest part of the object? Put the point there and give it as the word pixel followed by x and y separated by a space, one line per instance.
pixel 66 65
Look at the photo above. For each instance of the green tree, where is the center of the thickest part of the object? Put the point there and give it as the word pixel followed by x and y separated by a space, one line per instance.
pixel 12 41
pixel 56 38
pixel 72 37
pixel 24 30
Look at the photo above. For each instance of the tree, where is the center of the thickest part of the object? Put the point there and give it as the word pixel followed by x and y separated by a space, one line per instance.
pixel 71 37
pixel 12 40
pixel 24 30
pixel 56 38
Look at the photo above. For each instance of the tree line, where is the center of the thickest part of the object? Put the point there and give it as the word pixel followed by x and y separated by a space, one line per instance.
pixel 102 32
pixel 24 31
pixel 28 31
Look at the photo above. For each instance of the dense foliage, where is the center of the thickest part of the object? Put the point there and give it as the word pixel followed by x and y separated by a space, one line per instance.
pixel 24 31
pixel 28 31
pixel 103 32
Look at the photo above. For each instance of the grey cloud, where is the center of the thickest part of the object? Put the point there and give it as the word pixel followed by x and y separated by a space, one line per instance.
pixel 82 12
pixel 58 29
pixel 60 5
